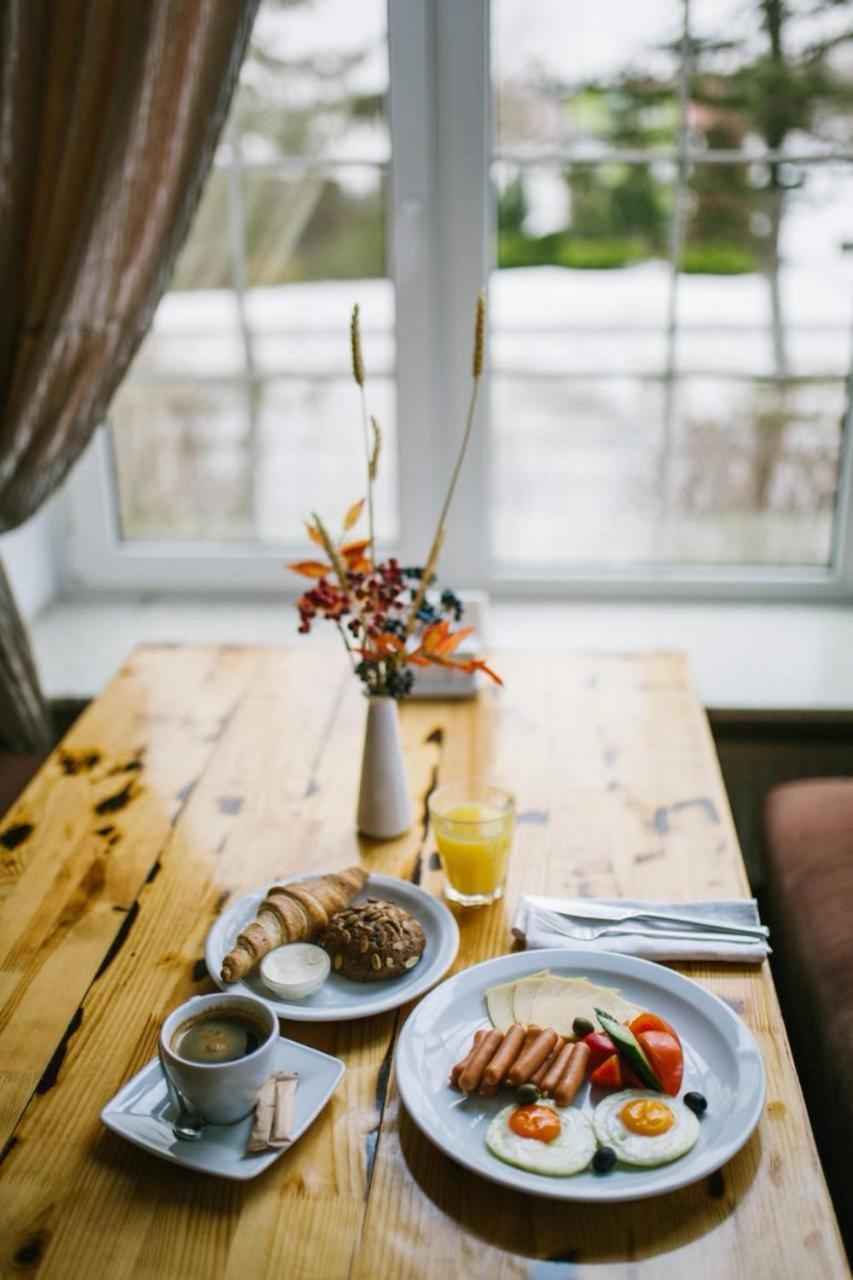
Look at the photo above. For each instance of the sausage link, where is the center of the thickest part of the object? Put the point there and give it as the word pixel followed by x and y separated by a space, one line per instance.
pixel 532 1057
pixel 479 1059
pixel 557 1069
pixel 456 1071
pixel 540 1073
pixel 565 1092
pixel 502 1059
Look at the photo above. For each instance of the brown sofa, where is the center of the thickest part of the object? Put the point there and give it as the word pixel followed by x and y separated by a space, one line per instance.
pixel 808 828
pixel 15 772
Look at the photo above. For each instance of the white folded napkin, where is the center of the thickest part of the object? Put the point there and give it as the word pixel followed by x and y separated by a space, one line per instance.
pixel 533 928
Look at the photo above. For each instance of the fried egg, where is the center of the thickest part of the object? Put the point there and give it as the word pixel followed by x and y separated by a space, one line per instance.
pixel 645 1128
pixel 569 1151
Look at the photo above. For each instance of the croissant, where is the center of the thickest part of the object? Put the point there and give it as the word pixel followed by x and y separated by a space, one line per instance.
pixel 291 913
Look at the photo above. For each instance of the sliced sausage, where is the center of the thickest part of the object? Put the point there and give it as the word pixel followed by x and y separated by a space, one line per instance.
pixel 540 1073
pixel 502 1059
pixel 557 1069
pixel 532 1057
pixel 456 1071
pixel 572 1077
pixel 478 1060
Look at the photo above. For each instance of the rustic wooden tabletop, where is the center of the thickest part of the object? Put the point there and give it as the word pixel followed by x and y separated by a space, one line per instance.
pixel 200 773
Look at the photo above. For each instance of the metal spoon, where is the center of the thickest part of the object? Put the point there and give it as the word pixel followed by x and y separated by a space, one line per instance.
pixel 187 1126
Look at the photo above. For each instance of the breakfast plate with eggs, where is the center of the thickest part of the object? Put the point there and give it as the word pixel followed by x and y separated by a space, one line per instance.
pixel 580 1075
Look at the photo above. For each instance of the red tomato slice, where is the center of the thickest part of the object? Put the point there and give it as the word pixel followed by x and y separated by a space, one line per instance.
pixel 601 1047
pixel 651 1022
pixel 609 1074
pixel 663 1051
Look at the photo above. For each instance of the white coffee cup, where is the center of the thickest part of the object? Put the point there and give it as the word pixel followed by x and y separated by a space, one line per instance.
pixel 221 1092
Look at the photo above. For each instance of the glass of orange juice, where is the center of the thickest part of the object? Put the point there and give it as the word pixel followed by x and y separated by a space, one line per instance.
pixel 473 825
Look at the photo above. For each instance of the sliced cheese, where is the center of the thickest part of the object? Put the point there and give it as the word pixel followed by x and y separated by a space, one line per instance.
pixel 524 995
pixel 558 1001
pixel 500 1001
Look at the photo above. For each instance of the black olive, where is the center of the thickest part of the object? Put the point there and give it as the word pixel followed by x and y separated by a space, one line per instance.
pixel 527 1093
pixel 582 1027
pixel 697 1102
pixel 604 1160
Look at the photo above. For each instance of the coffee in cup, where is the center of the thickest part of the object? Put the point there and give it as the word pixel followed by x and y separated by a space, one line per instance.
pixel 218 1051
pixel 218 1035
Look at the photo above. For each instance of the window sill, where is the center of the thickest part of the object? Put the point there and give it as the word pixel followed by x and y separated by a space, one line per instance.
pixel 767 657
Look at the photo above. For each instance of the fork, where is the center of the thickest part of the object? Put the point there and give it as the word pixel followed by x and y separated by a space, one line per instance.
pixel 589 932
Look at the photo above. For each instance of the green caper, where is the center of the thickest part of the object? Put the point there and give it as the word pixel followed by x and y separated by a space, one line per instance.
pixel 527 1093
pixel 582 1027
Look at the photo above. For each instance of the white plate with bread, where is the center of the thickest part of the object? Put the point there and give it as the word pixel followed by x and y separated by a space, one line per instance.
pixel 417 939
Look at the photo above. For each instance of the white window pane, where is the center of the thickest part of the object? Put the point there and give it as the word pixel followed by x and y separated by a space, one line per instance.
pixel 588 74
pixel 314 82
pixel 182 460
pixel 575 477
pixel 314 226
pixel 766 286
pixel 303 329
pixel 312 456
pixel 264 289
pixel 752 91
pixel 754 471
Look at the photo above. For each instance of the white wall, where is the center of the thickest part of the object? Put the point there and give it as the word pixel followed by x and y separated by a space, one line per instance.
pixel 30 560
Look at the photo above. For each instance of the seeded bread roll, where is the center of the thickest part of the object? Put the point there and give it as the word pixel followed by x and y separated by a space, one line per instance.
pixel 372 941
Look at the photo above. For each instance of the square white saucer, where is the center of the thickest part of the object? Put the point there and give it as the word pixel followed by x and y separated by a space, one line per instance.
pixel 142 1113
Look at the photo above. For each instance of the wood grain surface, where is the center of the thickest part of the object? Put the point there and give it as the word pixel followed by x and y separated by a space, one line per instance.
pixel 201 773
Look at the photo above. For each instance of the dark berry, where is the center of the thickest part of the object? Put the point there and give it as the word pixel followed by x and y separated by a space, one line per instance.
pixel 604 1160
pixel 697 1103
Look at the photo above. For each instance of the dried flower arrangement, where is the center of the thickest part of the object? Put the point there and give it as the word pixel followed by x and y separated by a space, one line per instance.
pixel 390 618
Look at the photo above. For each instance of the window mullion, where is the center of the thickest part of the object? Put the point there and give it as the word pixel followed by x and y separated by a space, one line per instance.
pixel 676 245
pixel 412 250
pixel 237 230
pixel 461 267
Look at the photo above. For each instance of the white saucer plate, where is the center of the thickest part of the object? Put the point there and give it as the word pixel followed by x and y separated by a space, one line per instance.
pixel 142 1113
pixel 339 999
pixel 721 1061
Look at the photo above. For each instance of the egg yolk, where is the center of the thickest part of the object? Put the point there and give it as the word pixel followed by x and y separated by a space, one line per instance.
pixel 646 1116
pixel 537 1122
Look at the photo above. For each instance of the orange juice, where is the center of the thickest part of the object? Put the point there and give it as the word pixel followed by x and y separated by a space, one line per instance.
pixel 473 837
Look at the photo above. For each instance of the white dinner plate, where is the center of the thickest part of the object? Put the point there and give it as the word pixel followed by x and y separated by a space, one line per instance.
pixel 721 1061
pixel 142 1113
pixel 340 999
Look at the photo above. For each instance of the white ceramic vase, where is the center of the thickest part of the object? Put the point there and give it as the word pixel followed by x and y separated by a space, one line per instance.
pixel 384 807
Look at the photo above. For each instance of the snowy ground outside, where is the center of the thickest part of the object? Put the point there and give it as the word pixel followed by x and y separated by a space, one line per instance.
pixel 577 411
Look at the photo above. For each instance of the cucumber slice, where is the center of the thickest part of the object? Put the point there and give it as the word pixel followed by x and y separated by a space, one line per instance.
pixel 630 1049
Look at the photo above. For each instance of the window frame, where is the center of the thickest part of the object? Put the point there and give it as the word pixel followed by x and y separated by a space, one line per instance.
pixel 441 237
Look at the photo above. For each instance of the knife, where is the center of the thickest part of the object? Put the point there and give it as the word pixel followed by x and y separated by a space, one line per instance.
pixel 582 909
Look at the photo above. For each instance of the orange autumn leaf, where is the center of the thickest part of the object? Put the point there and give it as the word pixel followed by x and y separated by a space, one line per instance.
pixel 311 568
pixel 434 636
pixel 355 549
pixel 369 655
pixel 314 534
pixel 468 665
pixel 480 665
pixel 388 644
pixel 453 640
pixel 353 514
pixel 417 660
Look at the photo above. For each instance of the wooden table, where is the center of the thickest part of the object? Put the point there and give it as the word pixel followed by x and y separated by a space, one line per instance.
pixel 200 773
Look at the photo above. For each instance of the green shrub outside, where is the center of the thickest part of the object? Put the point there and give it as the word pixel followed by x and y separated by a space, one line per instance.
pixel 515 249
pixel 584 253
pixel 719 259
